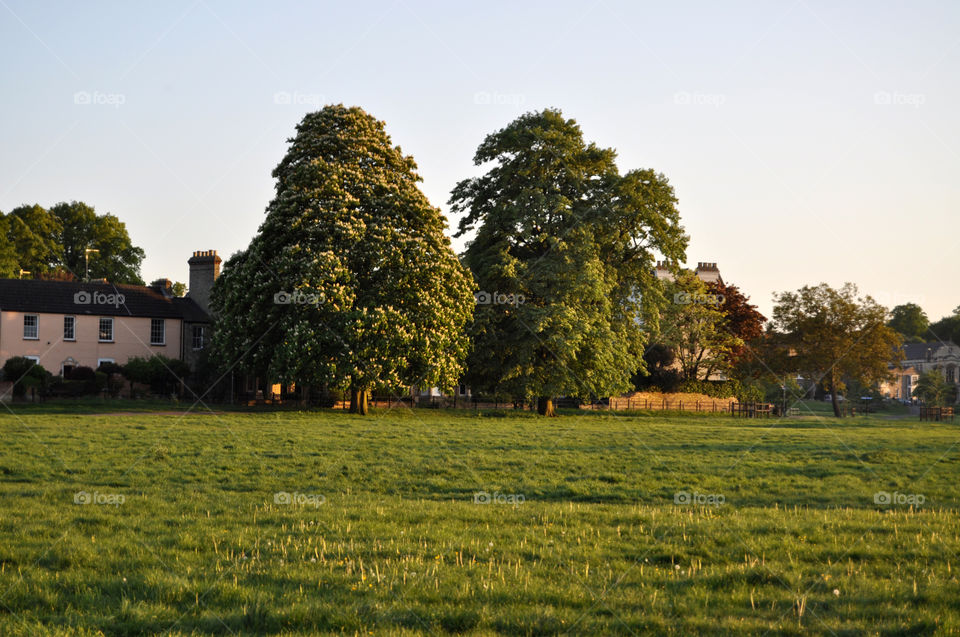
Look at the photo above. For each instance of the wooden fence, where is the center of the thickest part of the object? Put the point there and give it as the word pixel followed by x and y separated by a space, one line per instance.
pixel 648 404
pixel 936 414
pixel 751 410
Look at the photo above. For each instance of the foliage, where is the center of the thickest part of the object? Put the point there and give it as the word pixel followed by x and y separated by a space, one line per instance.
pixel 25 373
pixel 910 321
pixel 741 318
pixel 947 328
pixel 694 326
pixel 52 243
pixel 834 335
pixel 563 256
pixel 179 289
pixel 934 390
pixel 163 374
pixel 350 281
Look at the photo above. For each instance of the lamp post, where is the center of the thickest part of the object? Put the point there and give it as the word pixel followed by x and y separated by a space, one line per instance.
pixel 86 262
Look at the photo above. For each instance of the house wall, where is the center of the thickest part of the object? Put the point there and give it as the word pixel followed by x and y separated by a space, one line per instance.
pixel 131 337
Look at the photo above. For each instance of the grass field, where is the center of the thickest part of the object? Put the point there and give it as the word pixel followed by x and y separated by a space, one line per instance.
pixel 438 522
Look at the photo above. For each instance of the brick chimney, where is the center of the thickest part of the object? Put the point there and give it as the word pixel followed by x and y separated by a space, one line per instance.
pixel 204 270
pixel 164 286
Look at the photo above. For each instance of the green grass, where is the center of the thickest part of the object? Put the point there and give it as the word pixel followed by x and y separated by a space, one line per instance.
pixel 397 545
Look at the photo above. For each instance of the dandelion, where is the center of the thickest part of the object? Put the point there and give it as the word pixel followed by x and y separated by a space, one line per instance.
pixel 676 567
pixel 836 592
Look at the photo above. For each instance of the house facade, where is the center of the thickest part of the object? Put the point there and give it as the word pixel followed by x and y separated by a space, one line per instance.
pixel 920 358
pixel 65 324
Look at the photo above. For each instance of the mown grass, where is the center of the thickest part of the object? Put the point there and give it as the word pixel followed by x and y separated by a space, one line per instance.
pixel 388 537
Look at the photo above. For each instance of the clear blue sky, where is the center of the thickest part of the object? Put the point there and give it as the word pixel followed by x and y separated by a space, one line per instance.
pixel 807 141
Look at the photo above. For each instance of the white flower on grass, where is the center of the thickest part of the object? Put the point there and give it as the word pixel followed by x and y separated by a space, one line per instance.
pixel 836 592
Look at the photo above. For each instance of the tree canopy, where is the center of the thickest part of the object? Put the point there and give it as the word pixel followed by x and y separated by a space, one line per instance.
pixel 52 244
pixel 350 281
pixel 563 257
pixel 833 335
pixel 910 321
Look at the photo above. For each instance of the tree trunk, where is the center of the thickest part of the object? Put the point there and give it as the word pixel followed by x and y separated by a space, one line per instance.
pixel 358 401
pixel 833 395
pixel 545 406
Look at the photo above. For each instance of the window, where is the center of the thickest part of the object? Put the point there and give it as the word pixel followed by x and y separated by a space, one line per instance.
pixel 35 359
pixel 951 378
pixel 31 329
pixel 106 330
pixel 101 361
pixel 69 328
pixel 197 337
pixel 158 332
pixel 462 390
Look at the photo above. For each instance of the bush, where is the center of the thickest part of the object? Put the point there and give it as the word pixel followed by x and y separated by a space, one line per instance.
pixel 161 373
pixel 25 374
pixel 81 373
pixel 110 368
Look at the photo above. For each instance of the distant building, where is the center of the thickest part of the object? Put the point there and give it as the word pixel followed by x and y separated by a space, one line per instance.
pixel 707 271
pixel 920 358
pixel 67 324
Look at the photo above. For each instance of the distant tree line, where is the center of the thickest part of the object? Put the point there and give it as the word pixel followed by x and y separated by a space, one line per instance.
pixel 57 243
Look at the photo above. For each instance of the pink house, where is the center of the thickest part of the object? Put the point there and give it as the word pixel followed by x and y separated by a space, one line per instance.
pixel 63 324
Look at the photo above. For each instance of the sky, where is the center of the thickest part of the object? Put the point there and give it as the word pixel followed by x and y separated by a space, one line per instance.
pixel 807 141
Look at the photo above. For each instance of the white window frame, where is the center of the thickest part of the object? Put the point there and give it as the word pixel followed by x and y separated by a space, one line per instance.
pixel 36 327
pixel 35 359
pixel 163 332
pixel 73 326
pixel 100 330
pixel 193 337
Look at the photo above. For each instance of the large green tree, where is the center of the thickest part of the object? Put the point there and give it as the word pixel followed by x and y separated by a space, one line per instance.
pixel 563 257
pixel 34 234
pixel 910 321
pixel 946 329
pixel 694 325
pixel 350 281
pixel 934 390
pixel 834 335
pixel 116 258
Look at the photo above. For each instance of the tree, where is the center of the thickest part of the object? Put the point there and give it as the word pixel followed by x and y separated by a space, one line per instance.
pixel 24 373
pixel 910 321
pixel 9 261
pixel 934 390
pixel 835 334
pixel 34 234
pixel 742 319
pixel 563 256
pixel 695 327
pixel 179 289
pixel 350 281
pixel 946 329
pixel 116 260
